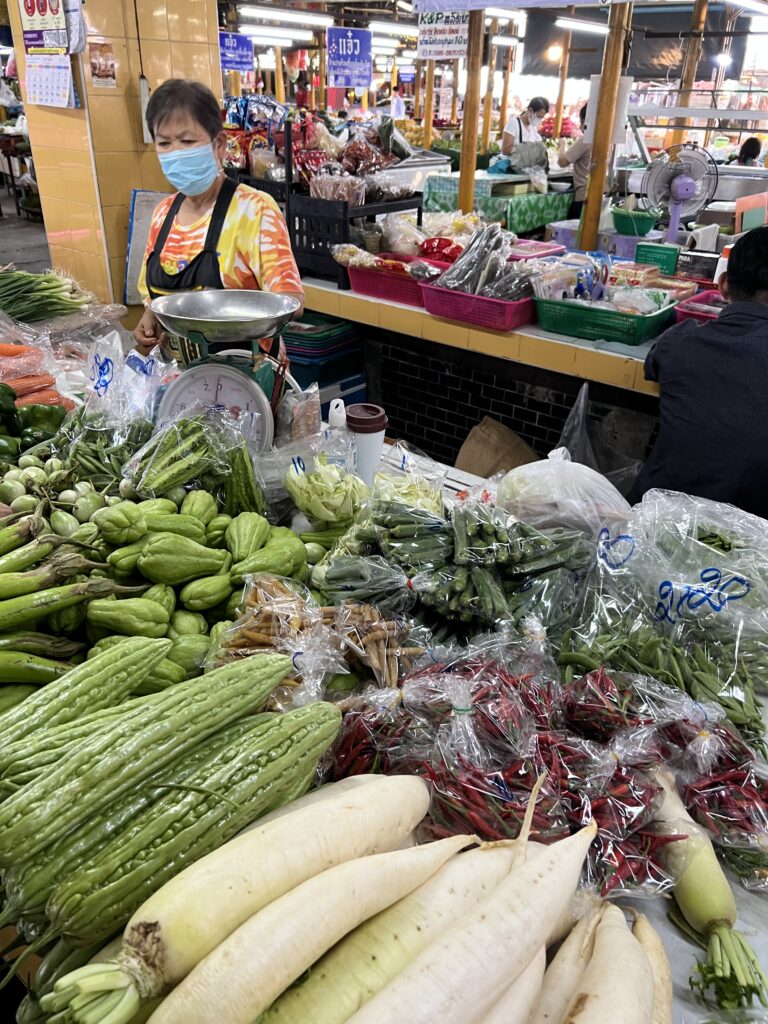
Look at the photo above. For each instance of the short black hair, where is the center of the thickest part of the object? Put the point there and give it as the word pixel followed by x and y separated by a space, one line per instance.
pixel 183 95
pixel 748 267
pixel 539 103
pixel 750 149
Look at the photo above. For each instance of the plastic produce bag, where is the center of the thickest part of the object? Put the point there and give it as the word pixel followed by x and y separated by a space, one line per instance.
pixel 367 580
pixel 559 492
pixel 411 537
pixel 328 494
pixel 588 444
pixel 412 478
pixel 401 235
pixel 483 259
pixel 298 415
pixel 378 641
pixel 194 445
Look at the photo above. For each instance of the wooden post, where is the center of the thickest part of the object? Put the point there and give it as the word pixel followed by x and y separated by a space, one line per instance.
pixel 393 76
pixel 488 101
pixel 564 63
pixel 322 98
pixel 279 76
pixel 417 92
pixel 429 104
pixel 691 58
pixel 455 100
pixel 364 101
pixel 471 112
pixel 505 92
pixel 619 22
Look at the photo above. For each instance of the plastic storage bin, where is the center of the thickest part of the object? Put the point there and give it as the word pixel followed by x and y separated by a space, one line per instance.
pixel 527 249
pixel 566 233
pixel 691 309
pixel 476 310
pixel 582 320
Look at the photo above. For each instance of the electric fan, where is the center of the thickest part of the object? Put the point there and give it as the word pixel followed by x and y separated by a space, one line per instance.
pixel 680 182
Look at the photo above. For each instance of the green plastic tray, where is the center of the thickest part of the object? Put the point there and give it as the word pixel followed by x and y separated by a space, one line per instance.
pixel 581 320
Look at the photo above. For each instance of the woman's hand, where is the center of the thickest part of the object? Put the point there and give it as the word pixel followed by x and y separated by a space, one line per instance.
pixel 148 333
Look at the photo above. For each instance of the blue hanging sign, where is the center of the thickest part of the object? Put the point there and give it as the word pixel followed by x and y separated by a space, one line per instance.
pixel 236 52
pixel 349 58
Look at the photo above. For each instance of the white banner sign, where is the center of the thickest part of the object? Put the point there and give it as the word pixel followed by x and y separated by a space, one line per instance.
pixel 443 35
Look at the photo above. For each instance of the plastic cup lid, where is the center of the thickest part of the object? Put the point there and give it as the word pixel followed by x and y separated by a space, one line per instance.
pixel 366 418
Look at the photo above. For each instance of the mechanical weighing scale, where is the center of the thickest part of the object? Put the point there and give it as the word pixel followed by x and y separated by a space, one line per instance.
pixel 204 319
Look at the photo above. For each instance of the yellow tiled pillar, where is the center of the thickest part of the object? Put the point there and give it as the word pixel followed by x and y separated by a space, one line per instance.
pixel 89 160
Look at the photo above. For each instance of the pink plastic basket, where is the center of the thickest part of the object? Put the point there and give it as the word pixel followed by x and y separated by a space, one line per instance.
pixel 388 285
pixel 683 310
pixel 495 314
pixel 528 249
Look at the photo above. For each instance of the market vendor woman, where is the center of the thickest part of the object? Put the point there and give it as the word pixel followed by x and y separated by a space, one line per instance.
pixel 213 233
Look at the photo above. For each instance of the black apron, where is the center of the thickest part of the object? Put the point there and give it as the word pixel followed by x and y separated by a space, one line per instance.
pixel 201 272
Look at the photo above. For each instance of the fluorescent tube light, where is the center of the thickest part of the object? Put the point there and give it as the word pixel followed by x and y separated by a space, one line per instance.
pixel 576 25
pixel 292 17
pixel 272 40
pixel 505 40
pixel 394 28
pixel 270 31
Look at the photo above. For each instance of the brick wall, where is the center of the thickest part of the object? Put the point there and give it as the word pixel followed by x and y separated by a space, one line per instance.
pixel 435 394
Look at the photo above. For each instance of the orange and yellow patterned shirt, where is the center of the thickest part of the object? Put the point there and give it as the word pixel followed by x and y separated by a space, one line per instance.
pixel 254 249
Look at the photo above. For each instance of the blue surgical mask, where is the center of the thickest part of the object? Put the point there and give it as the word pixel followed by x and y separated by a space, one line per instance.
pixel 191 171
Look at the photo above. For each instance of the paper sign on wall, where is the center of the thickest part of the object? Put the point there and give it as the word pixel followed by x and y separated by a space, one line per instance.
pixel 101 58
pixel 350 65
pixel 44 26
pixel 443 35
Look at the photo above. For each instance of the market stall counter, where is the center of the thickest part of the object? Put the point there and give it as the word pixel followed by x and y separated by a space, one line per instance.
pixel 616 365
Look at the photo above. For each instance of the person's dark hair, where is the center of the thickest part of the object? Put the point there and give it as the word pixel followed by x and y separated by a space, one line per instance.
pixel 183 95
pixel 539 105
pixel 750 150
pixel 583 115
pixel 748 267
pixel 342 114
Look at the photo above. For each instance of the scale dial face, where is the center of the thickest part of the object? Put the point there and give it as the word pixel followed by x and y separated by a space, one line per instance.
pixel 211 384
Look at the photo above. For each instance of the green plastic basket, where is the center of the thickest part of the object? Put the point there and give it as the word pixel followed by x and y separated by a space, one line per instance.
pixel 633 222
pixel 582 320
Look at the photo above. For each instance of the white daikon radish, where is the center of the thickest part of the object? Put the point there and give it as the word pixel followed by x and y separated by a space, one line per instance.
pixel 618 981
pixel 654 949
pixel 315 796
pixel 464 972
pixel 195 911
pixel 565 971
pixel 245 974
pixel 371 956
pixel 731 971
pixel 518 1001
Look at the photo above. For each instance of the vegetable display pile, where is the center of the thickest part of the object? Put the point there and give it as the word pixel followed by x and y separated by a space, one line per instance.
pixel 502 712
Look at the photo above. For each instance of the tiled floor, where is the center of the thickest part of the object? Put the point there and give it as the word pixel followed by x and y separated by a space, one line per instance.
pixel 22 241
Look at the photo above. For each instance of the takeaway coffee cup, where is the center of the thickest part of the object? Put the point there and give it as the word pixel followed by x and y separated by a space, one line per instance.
pixel 369 425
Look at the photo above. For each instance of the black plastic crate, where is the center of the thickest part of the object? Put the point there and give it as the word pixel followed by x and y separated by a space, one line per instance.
pixel 314 225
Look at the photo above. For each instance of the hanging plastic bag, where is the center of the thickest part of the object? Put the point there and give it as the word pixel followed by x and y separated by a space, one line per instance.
pixel 559 492
pixel 588 444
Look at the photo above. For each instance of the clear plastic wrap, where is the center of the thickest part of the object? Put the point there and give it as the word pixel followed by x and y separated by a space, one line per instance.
pixel 733 807
pixel 299 415
pixel 482 261
pixel 558 492
pixel 412 478
pixel 411 537
pixel 384 188
pixel 401 235
pixel 188 447
pixel 345 189
pixel 361 157
pixel 328 494
pixel 367 580
pixel 378 641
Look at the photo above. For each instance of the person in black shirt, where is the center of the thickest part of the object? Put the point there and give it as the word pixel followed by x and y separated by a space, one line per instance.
pixel 713 402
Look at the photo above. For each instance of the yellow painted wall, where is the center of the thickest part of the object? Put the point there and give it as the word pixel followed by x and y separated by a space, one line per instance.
pixel 89 160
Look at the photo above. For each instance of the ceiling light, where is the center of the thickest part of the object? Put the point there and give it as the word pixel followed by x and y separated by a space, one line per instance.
pixel 405 62
pixel 575 25
pixel 505 40
pixel 498 13
pixel 554 53
pixel 404 5
pixel 270 31
pixel 383 41
pixel 411 54
pixel 394 28
pixel 724 60
pixel 293 17
pixel 284 42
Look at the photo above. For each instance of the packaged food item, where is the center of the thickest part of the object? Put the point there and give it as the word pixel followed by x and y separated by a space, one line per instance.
pixel 236 152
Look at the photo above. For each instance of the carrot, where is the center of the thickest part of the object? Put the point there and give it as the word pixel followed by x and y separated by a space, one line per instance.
pixel 32 382
pixel 13 351
pixel 48 396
